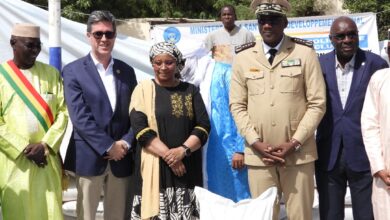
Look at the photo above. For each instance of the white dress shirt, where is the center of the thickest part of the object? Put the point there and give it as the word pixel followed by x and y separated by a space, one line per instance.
pixel 107 76
pixel 344 79
pixel 266 48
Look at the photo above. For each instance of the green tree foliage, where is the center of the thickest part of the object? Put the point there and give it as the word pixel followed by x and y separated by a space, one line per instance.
pixel 300 8
pixel 204 9
pixel 241 6
pixel 209 9
pixel 180 8
pixel 78 9
pixel 381 7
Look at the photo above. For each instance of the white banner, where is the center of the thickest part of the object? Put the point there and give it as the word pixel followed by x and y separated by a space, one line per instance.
pixel 316 29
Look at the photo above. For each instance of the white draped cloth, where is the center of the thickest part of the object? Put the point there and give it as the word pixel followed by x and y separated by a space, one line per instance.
pixel 215 207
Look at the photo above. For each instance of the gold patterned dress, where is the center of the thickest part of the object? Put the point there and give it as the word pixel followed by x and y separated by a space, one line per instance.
pixel 180 112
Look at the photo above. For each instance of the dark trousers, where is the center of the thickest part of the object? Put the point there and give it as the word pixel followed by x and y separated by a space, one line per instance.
pixel 332 186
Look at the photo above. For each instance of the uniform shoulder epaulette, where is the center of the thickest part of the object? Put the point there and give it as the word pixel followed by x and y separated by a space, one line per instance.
pixel 308 43
pixel 243 47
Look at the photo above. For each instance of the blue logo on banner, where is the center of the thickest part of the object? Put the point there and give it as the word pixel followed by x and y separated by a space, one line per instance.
pixel 324 43
pixel 172 35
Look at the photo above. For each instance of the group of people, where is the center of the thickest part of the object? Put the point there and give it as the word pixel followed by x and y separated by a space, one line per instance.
pixel 300 116
pixel 137 143
pixel 279 116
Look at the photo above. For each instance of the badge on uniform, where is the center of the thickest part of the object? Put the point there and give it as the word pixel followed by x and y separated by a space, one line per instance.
pixel 254 70
pixel 293 62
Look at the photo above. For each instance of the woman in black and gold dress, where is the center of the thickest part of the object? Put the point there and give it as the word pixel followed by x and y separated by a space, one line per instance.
pixel 171 123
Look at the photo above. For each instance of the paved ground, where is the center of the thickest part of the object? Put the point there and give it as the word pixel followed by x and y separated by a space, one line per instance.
pixel 348 215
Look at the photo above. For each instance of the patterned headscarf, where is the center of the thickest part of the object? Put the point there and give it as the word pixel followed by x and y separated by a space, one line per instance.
pixel 171 49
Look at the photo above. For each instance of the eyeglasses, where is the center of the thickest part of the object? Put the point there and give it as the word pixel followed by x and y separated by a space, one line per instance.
pixel 99 34
pixel 352 35
pixel 32 45
pixel 272 20
pixel 275 21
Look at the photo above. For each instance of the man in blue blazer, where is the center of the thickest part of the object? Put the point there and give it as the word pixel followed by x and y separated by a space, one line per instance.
pixel 97 92
pixel 342 159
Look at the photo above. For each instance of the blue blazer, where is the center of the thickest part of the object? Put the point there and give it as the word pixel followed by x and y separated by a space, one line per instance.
pixel 95 125
pixel 343 125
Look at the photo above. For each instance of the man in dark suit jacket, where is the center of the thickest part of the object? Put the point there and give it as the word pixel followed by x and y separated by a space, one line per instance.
pixel 97 92
pixel 342 158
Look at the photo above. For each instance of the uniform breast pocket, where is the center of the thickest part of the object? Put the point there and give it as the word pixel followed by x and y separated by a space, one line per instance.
pixel 291 81
pixel 255 82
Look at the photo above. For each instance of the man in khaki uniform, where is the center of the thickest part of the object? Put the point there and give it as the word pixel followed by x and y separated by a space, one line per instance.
pixel 277 102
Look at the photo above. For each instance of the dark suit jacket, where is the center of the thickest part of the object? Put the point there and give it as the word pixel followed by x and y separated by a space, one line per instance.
pixel 95 125
pixel 343 125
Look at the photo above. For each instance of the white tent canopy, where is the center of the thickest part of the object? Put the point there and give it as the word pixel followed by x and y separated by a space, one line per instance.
pixel 74 42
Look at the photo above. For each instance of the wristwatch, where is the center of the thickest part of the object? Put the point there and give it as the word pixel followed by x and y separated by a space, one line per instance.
pixel 187 150
pixel 297 145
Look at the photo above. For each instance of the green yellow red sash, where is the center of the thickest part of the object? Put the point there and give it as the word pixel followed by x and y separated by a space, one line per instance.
pixel 27 93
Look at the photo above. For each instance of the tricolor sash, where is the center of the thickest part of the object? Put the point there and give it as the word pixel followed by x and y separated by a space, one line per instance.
pixel 27 93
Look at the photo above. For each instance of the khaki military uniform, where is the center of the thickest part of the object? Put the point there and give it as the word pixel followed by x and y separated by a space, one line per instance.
pixel 274 104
